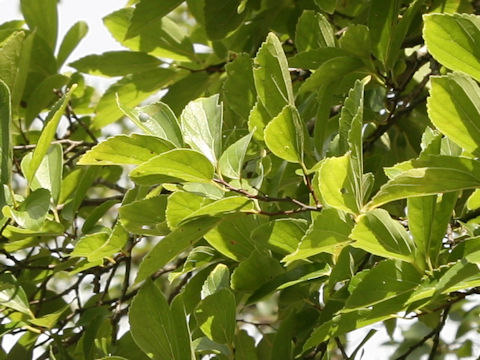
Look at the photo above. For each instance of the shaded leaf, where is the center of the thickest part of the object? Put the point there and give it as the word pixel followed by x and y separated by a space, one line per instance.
pixel 232 160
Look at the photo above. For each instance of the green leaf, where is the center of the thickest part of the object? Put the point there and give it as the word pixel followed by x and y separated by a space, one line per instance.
pixel 10 51
pixel 49 173
pixel 147 12
pixel 143 216
pixel 12 295
pixel 216 316
pixel 239 87
pixel 429 175
pixel 328 233
pixel 222 207
pixel 102 247
pixel 153 325
pixel 377 233
pixel 282 235
pixel 221 18
pixel 179 165
pixel 255 271
pixel 188 88
pixel 131 91
pixel 43 96
pixel 332 70
pixel 157 120
pixel 71 40
pixel 454 109
pixel 173 244
pixel 428 218
pixel 48 133
pixel 97 214
pixel 231 237
pixel 124 150
pixel 161 38
pixel 245 346
pixel 356 40
pixel 42 17
pixel 201 124
pixel 313 32
pixel 32 213
pixel 272 78
pixel 232 160
pixel 116 63
pixel 387 280
pixel 181 204
pixel 327 5
pixel 5 141
pixel 462 34
pixel 338 191
pixel 217 280
pixel 284 135
pixel 382 18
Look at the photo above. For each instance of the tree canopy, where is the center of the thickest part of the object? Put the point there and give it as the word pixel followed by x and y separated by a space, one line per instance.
pixel 281 173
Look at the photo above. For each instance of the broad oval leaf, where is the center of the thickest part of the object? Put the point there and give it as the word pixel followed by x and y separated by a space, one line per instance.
pixel 428 176
pixel 454 109
pixel 177 165
pixel 328 233
pixel 284 135
pixel 154 327
pixel 233 204
pixel 462 34
pixel 12 294
pixel 134 149
pixel 377 233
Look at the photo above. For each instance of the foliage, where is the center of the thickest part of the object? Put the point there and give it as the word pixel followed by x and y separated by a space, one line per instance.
pixel 297 169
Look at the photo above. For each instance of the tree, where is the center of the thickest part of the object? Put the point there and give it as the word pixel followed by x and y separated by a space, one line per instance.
pixel 310 169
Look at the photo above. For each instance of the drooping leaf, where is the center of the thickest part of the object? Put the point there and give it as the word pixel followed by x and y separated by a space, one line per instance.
pixel 152 324
pixel 156 119
pixel 462 34
pixel 48 133
pixel 232 160
pixel 255 271
pixel 454 109
pixel 131 90
pixel 387 280
pixel 216 316
pixel 428 176
pixel 377 233
pixel 143 216
pixel 201 124
pixel 124 150
pixel 176 165
pixel 174 243
pixel 162 37
pixel 221 18
pixel 147 12
pixel 231 237
pixel 116 63
pixel 12 294
pixel 328 233
pixel 284 135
